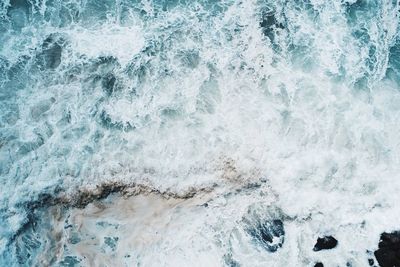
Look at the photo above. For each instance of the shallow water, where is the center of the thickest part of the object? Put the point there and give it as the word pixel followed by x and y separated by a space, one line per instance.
pixel 193 100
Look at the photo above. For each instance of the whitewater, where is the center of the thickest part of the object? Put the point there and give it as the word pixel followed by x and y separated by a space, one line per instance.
pixel 169 133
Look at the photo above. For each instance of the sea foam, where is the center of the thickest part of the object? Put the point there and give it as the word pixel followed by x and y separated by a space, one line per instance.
pixel 283 107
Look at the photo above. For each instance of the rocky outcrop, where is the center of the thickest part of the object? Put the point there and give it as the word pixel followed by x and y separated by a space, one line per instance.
pixel 388 253
pixel 326 242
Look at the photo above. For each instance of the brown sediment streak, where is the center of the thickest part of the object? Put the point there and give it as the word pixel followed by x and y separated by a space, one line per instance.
pixel 83 196
pixel 231 175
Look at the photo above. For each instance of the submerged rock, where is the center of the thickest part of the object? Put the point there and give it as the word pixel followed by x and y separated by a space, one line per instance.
pixel 270 233
pixel 326 242
pixel 388 253
pixel 50 56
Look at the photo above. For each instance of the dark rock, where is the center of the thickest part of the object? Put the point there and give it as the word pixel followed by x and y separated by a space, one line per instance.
pixel 370 257
pixel 319 264
pixel 326 242
pixel 371 262
pixel 270 233
pixel 388 253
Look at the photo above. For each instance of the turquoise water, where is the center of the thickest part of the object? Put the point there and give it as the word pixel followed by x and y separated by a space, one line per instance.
pixel 185 95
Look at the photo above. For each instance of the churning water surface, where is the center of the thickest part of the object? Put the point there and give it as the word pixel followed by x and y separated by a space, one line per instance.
pixel 233 132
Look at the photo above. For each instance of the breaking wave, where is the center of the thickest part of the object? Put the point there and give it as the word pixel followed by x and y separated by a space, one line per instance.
pixel 281 116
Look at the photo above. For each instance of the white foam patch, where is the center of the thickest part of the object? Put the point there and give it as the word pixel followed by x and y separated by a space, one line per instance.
pixel 120 42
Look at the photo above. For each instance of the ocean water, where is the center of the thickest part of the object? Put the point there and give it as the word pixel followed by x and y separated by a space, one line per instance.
pixel 166 133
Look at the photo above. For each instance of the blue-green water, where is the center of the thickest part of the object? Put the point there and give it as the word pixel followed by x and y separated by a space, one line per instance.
pixel 183 95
